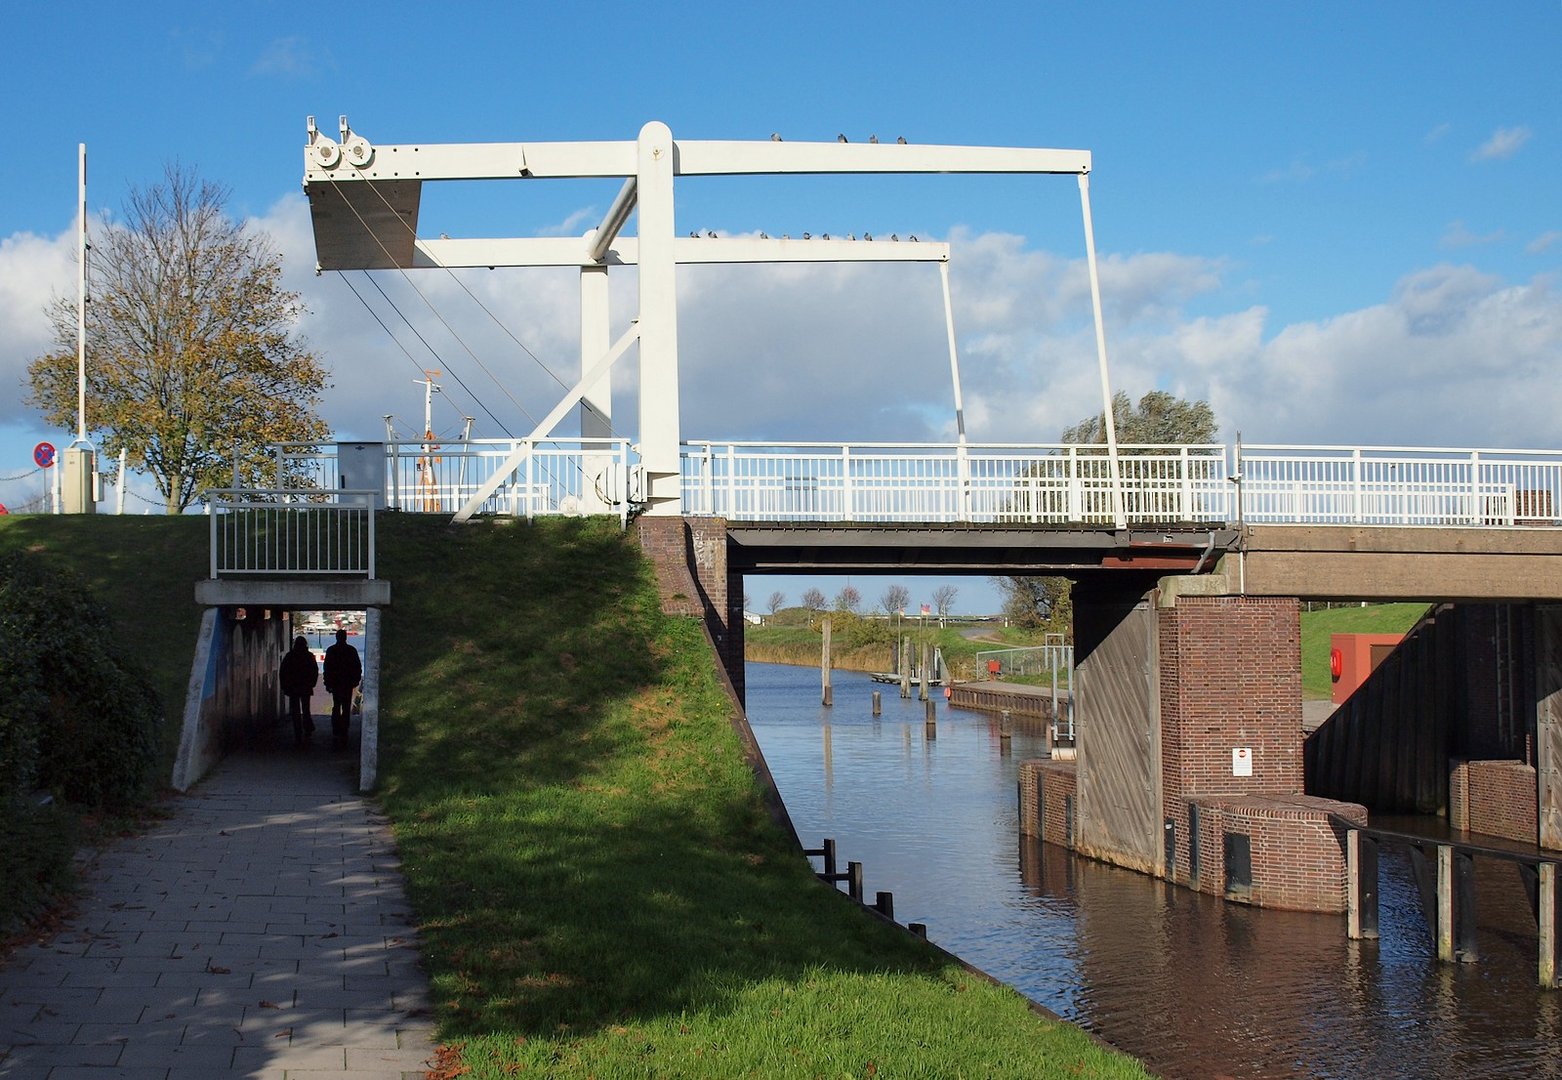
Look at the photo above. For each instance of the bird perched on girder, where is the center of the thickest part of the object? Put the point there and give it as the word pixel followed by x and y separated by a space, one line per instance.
pixel 774 137
pixel 901 139
pixel 874 139
pixel 840 138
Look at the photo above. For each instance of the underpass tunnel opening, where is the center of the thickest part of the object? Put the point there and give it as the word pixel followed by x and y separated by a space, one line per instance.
pixel 334 704
pixel 238 700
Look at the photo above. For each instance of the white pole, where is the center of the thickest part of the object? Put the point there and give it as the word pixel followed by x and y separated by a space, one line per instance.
pixel 954 358
pixel 119 507
pixel 1118 516
pixel 962 462
pixel 81 299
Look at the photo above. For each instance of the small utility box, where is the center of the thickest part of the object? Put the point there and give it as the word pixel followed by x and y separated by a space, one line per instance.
pixel 79 492
pixel 1352 657
pixel 360 466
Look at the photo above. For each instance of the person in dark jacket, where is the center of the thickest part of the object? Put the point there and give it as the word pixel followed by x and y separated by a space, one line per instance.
pixel 343 673
pixel 299 675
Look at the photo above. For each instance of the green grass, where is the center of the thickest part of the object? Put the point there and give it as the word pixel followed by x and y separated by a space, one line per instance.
pixel 1318 624
pixel 600 889
pixel 143 569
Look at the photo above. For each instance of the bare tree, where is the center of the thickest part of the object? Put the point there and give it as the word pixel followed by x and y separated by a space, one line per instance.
pixel 895 598
pixel 944 599
pixel 191 351
pixel 813 599
pixel 776 602
pixel 848 599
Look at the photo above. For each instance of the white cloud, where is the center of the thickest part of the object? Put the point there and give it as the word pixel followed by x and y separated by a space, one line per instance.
pixel 1544 242
pixel 287 57
pixel 851 352
pixel 1504 143
pixel 575 224
pixel 1437 134
pixel 33 270
pixel 1458 235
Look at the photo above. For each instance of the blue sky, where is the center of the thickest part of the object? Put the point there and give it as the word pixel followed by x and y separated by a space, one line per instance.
pixel 1337 222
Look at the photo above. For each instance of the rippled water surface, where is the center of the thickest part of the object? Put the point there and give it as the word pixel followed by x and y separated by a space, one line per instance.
pixel 1192 985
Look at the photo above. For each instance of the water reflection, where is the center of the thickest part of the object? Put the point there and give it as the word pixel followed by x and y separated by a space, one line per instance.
pixel 1193 985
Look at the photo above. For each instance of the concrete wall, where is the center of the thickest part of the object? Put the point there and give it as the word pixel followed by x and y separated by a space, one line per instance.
pixel 233 687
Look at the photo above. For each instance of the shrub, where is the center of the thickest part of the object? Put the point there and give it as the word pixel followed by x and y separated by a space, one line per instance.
pixel 75 717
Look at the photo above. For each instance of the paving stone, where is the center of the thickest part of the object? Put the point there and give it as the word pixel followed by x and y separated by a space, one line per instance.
pixel 183 933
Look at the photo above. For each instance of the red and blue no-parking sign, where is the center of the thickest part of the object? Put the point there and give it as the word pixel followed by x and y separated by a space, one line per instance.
pixel 43 455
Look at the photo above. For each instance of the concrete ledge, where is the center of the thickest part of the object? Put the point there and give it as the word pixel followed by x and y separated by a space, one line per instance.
pixel 294 593
pixel 1216 584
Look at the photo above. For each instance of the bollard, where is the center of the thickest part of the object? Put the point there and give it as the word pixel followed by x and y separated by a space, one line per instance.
pixel 919 929
pixel 829 855
pixel 1005 725
pixel 885 905
pixel 827 694
pixel 878 705
pixel 854 881
pixel 932 710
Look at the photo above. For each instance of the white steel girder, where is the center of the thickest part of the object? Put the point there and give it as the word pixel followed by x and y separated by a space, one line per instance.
pixel 365 200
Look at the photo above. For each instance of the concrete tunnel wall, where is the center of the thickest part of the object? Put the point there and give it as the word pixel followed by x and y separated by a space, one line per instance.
pixel 234 690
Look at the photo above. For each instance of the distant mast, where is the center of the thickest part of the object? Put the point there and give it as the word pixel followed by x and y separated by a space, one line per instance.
pixel 80 470
pixel 81 297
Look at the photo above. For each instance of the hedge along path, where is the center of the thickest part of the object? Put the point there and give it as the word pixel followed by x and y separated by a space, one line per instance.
pixel 599 888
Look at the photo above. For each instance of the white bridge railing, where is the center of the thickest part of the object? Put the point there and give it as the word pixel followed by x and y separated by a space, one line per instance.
pixel 978 483
pixel 935 482
pixel 288 531
pixel 1388 485
pixel 556 476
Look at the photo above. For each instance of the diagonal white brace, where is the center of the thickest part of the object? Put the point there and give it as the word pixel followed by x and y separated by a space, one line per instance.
pixel 545 426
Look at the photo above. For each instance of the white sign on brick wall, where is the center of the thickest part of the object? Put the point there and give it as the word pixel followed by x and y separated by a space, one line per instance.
pixel 1242 761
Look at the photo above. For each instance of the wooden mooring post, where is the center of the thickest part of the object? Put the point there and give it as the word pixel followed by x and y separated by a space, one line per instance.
pixel 878 704
pixel 824 662
pixel 827 852
pixel 1361 888
pixel 905 668
pixel 1548 910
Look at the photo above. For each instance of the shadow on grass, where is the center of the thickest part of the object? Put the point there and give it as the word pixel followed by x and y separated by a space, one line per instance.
pixel 583 840
pixel 143 569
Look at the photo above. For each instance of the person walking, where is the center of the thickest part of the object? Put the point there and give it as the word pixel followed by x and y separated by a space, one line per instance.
pixel 343 673
pixel 298 676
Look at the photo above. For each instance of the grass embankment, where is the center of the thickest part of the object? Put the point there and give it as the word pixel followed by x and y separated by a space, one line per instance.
pixel 800 645
pixel 600 890
pixel 1318 624
pixel 143 570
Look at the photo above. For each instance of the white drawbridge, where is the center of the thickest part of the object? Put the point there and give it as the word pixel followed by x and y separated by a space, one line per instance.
pixel 364 200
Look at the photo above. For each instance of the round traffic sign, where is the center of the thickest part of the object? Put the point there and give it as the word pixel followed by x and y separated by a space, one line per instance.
pixel 43 454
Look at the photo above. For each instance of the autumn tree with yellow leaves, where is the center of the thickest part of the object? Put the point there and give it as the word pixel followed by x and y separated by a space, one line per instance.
pixel 192 352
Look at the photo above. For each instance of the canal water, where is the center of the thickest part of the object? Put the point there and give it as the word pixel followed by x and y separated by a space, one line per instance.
pixel 1192 985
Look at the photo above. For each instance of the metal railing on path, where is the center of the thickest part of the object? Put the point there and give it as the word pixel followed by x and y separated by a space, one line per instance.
pixel 288 531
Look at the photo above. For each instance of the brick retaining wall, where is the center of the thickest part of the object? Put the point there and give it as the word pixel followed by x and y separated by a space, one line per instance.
pixel 1047 790
pixel 1503 800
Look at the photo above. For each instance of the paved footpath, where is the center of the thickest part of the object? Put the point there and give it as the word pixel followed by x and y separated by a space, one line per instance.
pixel 260 931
